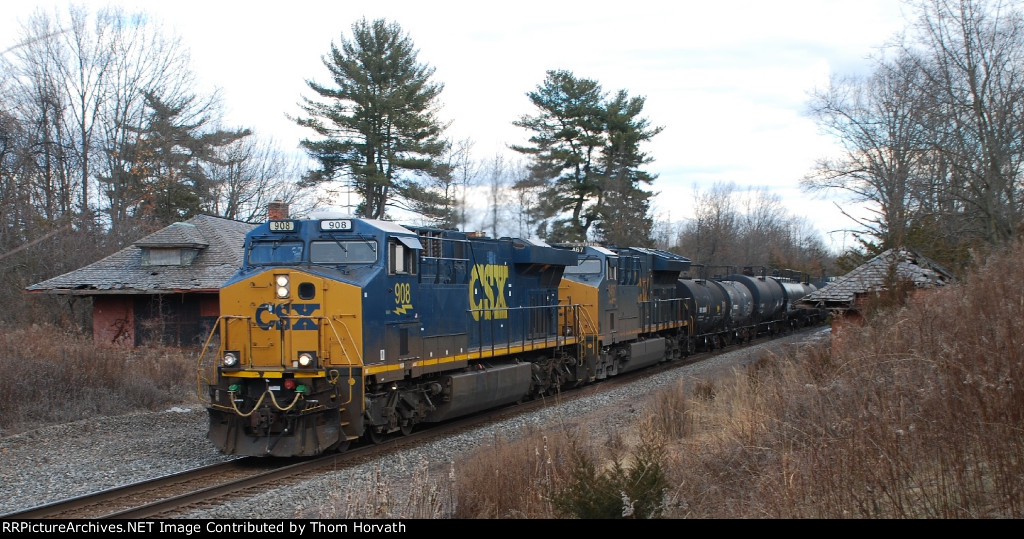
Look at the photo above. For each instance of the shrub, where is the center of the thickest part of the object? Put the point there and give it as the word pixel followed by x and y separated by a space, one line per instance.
pixel 619 491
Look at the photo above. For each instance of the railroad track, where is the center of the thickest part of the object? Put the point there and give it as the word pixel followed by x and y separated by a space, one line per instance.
pixel 177 494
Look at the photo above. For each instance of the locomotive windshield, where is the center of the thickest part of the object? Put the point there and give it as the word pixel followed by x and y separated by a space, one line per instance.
pixel 587 266
pixel 343 252
pixel 274 253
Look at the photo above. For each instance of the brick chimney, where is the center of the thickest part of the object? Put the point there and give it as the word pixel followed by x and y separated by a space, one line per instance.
pixel 277 210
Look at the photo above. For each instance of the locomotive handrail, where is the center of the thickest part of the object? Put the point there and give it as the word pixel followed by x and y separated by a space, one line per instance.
pixel 359 355
pixel 653 318
pixel 344 351
pixel 332 377
pixel 579 317
pixel 341 346
pixel 320 327
pixel 657 320
pixel 222 324
pixel 582 314
pixel 199 364
pixel 221 321
pixel 584 328
pixel 590 327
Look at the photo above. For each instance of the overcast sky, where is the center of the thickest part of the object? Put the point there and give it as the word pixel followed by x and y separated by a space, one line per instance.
pixel 728 81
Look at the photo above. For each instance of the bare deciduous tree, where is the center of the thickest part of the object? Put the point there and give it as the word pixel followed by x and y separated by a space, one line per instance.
pixel 878 121
pixel 974 59
pixel 731 229
pixel 933 139
pixel 72 107
pixel 525 198
pixel 496 176
pixel 251 173
pixel 83 76
pixel 711 235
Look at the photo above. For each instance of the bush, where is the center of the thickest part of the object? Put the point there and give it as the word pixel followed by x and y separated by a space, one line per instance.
pixel 619 491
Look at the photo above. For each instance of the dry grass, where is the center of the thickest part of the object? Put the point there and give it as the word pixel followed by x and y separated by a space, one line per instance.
pixel 52 376
pixel 513 478
pixel 427 494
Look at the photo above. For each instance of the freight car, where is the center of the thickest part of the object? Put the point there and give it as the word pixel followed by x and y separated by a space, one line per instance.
pixel 739 307
pixel 341 329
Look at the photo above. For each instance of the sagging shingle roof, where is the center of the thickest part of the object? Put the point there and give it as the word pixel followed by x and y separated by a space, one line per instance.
pixel 216 244
pixel 874 275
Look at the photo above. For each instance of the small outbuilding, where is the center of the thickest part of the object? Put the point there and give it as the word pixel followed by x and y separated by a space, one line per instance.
pixel 847 295
pixel 163 288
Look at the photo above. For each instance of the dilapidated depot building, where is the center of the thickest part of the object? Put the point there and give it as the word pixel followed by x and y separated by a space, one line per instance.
pixel 845 296
pixel 163 288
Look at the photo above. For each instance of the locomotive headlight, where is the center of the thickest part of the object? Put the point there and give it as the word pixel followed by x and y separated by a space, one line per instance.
pixel 283 287
pixel 305 359
pixel 230 359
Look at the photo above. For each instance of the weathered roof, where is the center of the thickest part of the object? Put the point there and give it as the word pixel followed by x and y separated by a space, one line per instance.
pixel 218 241
pixel 185 234
pixel 874 275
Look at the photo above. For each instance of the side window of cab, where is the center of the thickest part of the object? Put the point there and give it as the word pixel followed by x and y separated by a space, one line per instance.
pixel 401 258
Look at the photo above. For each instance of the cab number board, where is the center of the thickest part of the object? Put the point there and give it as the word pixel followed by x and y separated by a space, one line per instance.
pixel 335 224
pixel 282 226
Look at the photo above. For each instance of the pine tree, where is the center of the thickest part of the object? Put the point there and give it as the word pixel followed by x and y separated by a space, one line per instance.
pixel 167 179
pixel 377 125
pixel 586 159
pixel 624 218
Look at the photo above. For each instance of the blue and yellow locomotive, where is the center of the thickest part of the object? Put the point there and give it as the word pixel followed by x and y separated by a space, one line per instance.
pixel 340 329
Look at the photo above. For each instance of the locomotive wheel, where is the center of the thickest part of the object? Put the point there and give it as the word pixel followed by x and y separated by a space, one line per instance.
pixel 406 429
pixel 376 436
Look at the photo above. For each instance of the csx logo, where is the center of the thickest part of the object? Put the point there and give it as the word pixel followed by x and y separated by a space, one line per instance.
pixel 486 292
pixel 286 316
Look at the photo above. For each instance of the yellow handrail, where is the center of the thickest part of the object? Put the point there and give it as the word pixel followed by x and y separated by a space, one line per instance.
pixel 221 320
pixel 359 355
